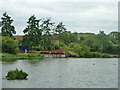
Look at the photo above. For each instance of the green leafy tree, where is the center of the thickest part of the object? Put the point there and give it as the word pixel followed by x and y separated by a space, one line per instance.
pixel 7 28
pixel 32 33
pixel 106 44
pixel 93 43
pixel 60 28
pixel 82 38
pixel 89 41
pixel 38 48
pixel 65 48
pixel 47 28
pixel 68 37
pixel 101 33
pixel 64 37
pixel 81 49
pixel 95 47
pixel 9 45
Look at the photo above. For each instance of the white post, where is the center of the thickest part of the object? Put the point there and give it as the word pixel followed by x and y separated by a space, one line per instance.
pixel 25 50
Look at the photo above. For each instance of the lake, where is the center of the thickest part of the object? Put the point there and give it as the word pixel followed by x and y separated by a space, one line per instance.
pixel 64 73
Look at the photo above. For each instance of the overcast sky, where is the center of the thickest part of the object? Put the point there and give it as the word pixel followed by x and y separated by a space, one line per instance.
pixel 77 16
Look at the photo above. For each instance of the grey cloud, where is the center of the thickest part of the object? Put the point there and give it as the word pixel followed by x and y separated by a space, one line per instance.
pixel 77 16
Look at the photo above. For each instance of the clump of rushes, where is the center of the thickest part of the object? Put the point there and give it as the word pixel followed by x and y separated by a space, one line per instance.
pixel 16 75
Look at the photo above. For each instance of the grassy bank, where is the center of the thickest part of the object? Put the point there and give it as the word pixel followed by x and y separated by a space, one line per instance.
pixel 33 56
pixel 93 55
pixel 23 56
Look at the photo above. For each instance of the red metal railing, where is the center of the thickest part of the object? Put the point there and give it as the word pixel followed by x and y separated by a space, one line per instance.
pixel 57 52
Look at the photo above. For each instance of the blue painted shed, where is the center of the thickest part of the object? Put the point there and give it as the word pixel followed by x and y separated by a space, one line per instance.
pixel 23 49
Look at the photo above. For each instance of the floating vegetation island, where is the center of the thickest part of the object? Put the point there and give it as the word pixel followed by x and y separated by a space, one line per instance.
pixel 16 75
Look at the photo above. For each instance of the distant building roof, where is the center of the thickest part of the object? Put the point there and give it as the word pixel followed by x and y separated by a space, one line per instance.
pixel 18 36
pixel 85 34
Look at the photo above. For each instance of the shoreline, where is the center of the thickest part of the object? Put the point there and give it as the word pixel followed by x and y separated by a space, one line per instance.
pixel 36 56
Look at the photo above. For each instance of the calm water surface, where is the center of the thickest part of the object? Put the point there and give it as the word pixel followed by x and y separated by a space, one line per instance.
pixel 64 73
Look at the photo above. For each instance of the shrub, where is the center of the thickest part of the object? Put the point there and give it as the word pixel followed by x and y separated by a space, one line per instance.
pixel 16 75
pixel 74 55
pixel 95 55
pixel 105 55
pixel 81 49
pixel 65 48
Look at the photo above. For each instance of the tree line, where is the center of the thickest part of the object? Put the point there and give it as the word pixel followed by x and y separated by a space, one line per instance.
pixel 41 34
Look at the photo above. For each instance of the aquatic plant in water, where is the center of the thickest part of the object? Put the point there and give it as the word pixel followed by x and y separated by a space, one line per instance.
pixel 16 75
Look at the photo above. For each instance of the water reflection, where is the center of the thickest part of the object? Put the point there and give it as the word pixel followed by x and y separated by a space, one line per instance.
pixel 8 61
